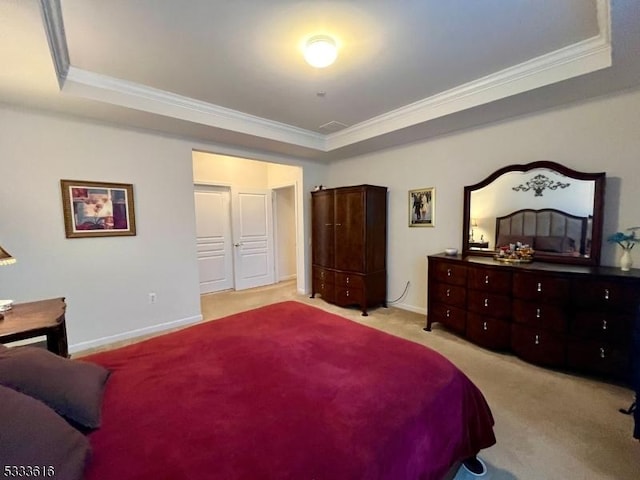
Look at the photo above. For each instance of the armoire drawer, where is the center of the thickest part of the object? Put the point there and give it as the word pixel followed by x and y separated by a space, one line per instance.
pixel 488 332
pixel 541 315
pixel 452 317
pixel 348 296
pixel 489 304
pixel 324 275
pixel 538 346
pixel 547 288
pixel 490 280
pixel 326 290
pixel 449 294
pixel 349 280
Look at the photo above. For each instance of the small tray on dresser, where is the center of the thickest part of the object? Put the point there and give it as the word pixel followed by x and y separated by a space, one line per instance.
pixel 513 260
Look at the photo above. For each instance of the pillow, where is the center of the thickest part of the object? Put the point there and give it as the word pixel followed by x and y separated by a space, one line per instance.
pixel 71 387
pixel 36 438
pixel 552 244
pixel 504 239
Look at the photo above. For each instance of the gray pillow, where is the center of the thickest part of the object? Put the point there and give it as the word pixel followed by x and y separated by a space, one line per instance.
pixel 73 388
pixel 34 436
pixel 553 244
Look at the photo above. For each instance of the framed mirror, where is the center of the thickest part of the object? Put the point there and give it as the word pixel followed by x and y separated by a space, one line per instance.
pixel 552 208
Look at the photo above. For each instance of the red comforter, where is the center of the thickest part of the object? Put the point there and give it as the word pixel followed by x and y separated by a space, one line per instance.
pixel 285 391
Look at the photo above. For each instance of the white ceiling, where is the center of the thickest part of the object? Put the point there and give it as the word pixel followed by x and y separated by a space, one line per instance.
pixel 231 71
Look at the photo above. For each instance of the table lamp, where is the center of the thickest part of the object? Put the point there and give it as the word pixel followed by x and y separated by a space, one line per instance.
pixel 5 259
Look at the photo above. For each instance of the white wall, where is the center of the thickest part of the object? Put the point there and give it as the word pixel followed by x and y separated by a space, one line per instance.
pixel 599 135
pixel 106 281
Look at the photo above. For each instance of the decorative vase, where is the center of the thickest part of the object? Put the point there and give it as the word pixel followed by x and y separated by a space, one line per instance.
pixel 626 261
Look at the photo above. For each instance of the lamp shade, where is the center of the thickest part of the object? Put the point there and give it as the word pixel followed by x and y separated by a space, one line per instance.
pixel 320 51
pixel 5 257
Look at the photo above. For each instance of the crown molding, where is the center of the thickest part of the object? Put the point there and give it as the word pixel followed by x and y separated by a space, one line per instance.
pixel 574 60
pixel 51 12
pixel 115 91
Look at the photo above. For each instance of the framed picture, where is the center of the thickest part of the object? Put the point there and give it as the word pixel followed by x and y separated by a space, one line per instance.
pixel 97 209
pixel 422 207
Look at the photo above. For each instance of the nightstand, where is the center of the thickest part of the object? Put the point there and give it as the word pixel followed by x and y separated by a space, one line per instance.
pixel 34 319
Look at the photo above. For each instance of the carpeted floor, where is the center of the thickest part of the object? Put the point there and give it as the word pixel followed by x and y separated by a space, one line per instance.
pixel 549 425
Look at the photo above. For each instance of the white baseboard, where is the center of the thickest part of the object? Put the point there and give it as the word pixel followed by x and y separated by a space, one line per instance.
pixel 410 308
pixel 284 278
pixel 139 332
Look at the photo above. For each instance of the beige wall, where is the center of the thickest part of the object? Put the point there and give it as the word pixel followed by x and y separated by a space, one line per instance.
pixel 599 135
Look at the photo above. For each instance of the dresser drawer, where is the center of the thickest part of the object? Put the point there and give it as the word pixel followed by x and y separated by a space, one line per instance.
pixel 605 294
pixel 449 294
pixel 488 332
pixel 599 357
pixel 451 273
pixel 489 304
pixel 603 326
pixel 349 280
pixel 490 280
pixel 542 315
pixel 547 288
pixel 537 345
pixel 452 317
pixel 348 296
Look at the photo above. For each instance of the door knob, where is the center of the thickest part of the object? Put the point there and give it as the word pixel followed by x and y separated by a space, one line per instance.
pixel 237 244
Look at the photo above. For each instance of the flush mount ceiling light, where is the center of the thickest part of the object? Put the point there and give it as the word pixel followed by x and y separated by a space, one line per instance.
pixel 320 51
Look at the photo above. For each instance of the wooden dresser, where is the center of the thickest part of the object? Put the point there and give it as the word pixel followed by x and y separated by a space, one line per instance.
pixel 349 244
pixel 562 316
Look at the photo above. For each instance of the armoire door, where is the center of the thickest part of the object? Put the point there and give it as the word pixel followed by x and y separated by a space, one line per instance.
pixel 323 228
pixel 349 229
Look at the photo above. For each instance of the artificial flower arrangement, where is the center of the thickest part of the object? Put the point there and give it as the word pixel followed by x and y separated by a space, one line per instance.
pixel 625 240
pixel 515 252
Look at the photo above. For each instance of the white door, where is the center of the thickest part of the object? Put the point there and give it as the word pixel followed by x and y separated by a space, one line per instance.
pixel 213 231
pixel 252 237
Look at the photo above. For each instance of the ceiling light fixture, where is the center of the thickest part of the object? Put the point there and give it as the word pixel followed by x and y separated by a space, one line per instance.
pixel 320 51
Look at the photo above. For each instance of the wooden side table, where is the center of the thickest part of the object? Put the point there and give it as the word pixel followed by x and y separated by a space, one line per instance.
pixel 33 319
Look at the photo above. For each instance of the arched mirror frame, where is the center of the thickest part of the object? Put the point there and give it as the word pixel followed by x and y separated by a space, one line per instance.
pixel 598 211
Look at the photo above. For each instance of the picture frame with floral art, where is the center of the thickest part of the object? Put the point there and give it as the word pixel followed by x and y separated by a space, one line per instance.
pixel 422 207
pixel 97 209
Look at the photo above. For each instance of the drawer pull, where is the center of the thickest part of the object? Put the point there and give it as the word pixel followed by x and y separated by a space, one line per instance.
pixel 347 280
pixel 539 287
pixel 486 279
pixel 448 272
pixel 322 286
pixel 484 325
pixel 606 294
pixel 604 324
pixel 347 293
pixel 537 313
pixel 328 224
pixel 602 355
pixel 486 302
pixel 448 314
pixel 537 340
pixel 448 293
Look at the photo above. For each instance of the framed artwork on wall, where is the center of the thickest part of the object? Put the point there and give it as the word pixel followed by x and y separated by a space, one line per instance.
pixel 422 207
pixel 97 209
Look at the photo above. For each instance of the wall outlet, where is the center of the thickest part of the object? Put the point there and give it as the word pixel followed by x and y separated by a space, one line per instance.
pixel 152 297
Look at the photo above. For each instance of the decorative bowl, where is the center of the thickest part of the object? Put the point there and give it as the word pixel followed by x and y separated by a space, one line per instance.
pixel 5 305
pixel 451 251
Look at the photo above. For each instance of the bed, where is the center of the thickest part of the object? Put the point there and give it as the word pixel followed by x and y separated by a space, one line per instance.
pixel 545 230
pixel 285 391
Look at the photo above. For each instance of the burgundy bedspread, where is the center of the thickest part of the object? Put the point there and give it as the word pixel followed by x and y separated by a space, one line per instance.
pixel 285 391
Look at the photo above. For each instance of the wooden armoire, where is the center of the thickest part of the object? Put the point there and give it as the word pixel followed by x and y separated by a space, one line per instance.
pixel 349 245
